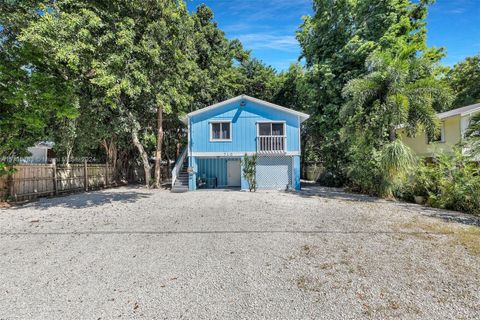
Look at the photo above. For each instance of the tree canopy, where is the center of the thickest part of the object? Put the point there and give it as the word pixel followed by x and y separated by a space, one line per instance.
pixel 464 78
pixel 111 80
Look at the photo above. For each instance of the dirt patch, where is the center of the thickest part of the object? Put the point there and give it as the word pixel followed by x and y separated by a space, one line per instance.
pixel 465 236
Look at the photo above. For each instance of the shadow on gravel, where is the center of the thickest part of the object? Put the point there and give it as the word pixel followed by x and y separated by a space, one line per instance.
pixel 89 199
pixel 313 190
pixel 457 217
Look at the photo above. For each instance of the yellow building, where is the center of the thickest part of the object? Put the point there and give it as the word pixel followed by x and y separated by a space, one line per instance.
pixel 453 126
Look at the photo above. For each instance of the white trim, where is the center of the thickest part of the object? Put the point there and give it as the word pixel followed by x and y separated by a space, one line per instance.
pixel 293 174
pixel 189 151
pixel 284 136
pixel 241 154
pixel 271 128
pixel 302 115
pixel 211 131
pixel 299 139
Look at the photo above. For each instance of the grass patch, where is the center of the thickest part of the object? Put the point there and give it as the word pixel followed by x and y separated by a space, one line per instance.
pixel 466 236
pixel 470 239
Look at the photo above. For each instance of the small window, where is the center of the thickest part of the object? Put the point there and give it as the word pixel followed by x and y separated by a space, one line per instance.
pixel 265 129
pixel 220 131
pixel 277 129
pixel 439 136
pixel 271 129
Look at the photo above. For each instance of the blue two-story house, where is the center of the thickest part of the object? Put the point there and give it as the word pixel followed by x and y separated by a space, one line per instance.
pixel 220 135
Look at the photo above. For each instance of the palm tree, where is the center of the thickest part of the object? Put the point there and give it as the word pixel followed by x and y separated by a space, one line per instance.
pixel 397 91
pixel 472 137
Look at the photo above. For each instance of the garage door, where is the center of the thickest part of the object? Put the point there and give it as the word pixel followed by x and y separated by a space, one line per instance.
pixel 274 172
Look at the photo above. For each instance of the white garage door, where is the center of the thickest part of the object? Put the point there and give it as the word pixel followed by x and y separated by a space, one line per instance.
pixel 274 172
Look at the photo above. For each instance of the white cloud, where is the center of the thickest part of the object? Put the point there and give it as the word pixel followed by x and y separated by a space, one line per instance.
pixel 268 41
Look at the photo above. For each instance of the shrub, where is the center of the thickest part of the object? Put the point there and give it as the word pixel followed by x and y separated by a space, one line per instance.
pixel 250 171
pixel 364 171
pixel 450 181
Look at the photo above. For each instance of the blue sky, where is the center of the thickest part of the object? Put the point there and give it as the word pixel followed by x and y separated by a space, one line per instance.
pixel 267 27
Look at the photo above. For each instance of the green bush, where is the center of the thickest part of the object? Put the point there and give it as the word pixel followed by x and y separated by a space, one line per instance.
pixel 250 171
pixel 364 171
pixel 379 171
pixel 450 181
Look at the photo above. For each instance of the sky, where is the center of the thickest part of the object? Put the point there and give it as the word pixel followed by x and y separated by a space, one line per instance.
pixel 267 27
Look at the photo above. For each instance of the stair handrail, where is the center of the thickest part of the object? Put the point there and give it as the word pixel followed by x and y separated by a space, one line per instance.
pixel 178 165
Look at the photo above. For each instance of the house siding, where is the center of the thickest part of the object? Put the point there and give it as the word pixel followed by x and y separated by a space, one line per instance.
pixel 214 168
pixel 244 128
pixel 209 158
pixel 419 145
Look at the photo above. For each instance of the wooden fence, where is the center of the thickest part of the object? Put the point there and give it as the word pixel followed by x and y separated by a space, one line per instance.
pixel 36 180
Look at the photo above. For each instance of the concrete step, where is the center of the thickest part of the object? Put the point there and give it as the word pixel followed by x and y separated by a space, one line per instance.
pixel 181 184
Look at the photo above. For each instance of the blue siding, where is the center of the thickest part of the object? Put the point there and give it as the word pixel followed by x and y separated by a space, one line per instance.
pixel 192 177
pixel 244 129
pixel 296 172
pixel 209 168
pixel 213 168
pixel 272 172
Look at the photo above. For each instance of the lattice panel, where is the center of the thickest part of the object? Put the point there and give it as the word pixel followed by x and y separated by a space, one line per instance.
pixel 274 172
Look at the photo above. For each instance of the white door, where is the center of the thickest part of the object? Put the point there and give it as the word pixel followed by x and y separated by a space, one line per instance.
pixel 233 173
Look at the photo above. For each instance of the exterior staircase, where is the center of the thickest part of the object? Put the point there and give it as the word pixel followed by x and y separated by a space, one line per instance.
pixel 180 175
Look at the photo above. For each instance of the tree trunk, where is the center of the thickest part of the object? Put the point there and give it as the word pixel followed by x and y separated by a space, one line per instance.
pixel 111 152
pixel 143 155
pixel 158 152
pixel 68 156
pixel 135 128
pixel 178 144
pixel 392 135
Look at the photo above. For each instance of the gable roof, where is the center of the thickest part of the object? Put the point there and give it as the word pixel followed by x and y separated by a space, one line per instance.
pixel 463 111
pixel 303 116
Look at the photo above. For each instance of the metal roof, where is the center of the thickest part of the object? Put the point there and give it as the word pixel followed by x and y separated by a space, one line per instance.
pixel 463 111
pixel 303 116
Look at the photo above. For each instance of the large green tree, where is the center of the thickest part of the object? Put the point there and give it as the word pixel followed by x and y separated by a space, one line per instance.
pixel 402 87
pixel 138 54
pixel 400 90
pixel 336 42
pixel 464 78
pixel 33 90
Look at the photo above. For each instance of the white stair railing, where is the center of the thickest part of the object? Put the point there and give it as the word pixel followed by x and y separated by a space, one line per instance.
pixel 178 166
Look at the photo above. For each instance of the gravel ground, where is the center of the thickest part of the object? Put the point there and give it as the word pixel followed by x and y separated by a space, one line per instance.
pixel 319 254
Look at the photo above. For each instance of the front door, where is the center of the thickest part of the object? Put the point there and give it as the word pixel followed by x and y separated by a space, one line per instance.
pixel 233 173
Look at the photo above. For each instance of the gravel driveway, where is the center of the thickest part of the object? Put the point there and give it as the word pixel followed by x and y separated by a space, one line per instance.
pixel 319 254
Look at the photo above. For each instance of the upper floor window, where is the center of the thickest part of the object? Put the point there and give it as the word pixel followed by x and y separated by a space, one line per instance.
pixel 220 131
pixel 271 129
pixel 439 136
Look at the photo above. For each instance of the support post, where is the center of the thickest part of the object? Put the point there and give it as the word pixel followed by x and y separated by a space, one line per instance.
pixel 10 187
pixel 54 166
pixel 106 174
pixel 85 175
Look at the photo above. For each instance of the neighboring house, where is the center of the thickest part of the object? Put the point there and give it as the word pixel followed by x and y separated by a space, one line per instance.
pixel 453 125
pixel 39 153
pixel 220 135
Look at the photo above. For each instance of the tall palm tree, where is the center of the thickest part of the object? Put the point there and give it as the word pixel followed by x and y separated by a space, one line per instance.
pixel 397 91
pixel 472 136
